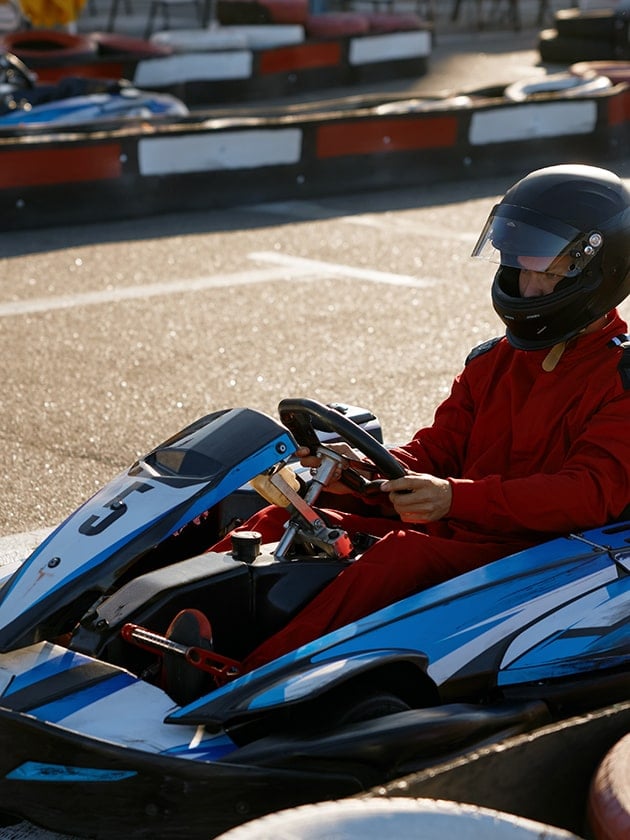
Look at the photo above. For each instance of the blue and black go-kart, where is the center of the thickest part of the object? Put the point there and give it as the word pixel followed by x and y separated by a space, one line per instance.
pixel 91 744
pixel 26 103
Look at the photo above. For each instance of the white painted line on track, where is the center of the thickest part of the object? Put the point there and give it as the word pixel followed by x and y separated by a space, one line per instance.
pixel 338 270
pixel 242 278
pixel 285 267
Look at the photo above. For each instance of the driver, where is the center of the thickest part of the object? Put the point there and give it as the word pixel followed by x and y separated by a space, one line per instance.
pixel 533 441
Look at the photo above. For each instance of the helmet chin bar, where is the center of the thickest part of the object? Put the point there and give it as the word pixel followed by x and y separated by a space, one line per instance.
pixel 305 522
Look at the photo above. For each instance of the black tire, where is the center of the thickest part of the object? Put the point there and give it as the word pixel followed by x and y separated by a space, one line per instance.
pixel 555 49
pixel 240 12
pixel 616 71
pixel 113 43
pixel 378 704
pixel 563 85
pixel 400 816
pixel 344 706
pixel 598 24
pixel 46 45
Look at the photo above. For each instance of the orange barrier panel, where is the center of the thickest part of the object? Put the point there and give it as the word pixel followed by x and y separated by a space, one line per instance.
pixel 41 166
pixel 385 135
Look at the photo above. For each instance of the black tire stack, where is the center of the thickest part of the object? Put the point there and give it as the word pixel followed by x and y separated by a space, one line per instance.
pixel 590 35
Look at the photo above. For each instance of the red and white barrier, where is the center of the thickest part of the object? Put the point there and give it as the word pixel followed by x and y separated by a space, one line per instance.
pixel 216 158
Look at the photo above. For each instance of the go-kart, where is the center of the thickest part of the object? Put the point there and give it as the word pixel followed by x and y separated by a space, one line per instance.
pixel 74 100
pixel 92 744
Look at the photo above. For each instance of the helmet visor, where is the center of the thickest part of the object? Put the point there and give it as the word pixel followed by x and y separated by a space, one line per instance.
pixel 520 238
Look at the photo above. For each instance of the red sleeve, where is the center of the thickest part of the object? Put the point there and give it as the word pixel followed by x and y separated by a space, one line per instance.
pixel 439 449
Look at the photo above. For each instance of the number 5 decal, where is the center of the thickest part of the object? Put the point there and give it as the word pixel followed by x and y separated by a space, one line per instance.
pixel 95 525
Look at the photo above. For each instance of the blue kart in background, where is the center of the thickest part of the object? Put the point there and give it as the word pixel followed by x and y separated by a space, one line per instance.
pixel 92 744
pixel 73 101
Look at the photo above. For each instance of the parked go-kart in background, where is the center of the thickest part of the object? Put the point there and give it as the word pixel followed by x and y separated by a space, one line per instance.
pixel 72 101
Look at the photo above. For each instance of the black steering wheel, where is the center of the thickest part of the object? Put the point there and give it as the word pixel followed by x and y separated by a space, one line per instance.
pixel 298 416
pixel 14 72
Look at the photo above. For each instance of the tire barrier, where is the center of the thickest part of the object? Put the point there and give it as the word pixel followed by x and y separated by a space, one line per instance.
pixel 235 12
pixel 609 795
pixel 589 35
pixel 203 163
pixel 394 22
pixel 600 24
pixel 239 63
pixel 554 49
pixel 210 77
pixel 544 775
pixel 116 44
pixel 359 819
pixel 616 71
pixel 337 25
pixel 242 37
pixel 564 84
pixel 226 158
pixel 45 46
pixel 57 55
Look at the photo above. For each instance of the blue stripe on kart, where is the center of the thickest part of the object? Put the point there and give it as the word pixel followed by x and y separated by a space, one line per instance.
pixel 36 771
pixel 57 710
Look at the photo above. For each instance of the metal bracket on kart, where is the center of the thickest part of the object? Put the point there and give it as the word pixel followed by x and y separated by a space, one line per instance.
pixel 305 521
pixel 298 415
pixel 222 668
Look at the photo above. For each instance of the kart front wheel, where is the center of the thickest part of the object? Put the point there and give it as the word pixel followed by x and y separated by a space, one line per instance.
pixel 368 707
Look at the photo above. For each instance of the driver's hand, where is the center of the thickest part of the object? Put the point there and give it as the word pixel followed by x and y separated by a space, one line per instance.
pixel 312 461
pixel 419 497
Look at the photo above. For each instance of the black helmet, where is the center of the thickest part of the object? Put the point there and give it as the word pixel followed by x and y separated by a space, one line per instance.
pixel 579 212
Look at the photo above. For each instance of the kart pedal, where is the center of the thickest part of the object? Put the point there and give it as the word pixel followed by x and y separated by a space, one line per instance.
pixel 182 682
pixel 190 666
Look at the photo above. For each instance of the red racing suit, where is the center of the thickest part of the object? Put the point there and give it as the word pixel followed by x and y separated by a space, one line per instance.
pixel 529 454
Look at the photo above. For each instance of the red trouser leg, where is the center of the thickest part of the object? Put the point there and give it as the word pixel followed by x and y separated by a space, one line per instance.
pixel 269 522
pixel 403 561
